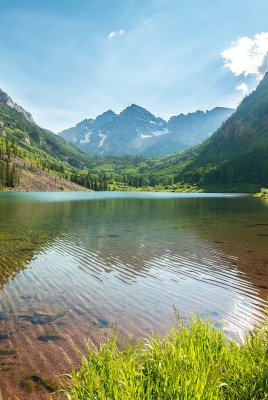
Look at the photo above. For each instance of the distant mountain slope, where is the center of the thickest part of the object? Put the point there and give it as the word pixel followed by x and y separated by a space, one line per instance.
pixel 235 156
pixel 195 127
pixel 136 131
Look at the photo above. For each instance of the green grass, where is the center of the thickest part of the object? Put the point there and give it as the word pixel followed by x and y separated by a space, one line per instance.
pixel 263 194
pixel 194 361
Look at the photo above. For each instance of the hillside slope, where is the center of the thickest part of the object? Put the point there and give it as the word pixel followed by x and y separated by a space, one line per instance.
pixel 15 126
pixel 50 157
pixel 7 102
pixel 34 179
pixel 234 158
pixel 238 151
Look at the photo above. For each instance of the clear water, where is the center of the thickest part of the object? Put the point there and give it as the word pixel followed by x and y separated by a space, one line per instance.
pixel 74 264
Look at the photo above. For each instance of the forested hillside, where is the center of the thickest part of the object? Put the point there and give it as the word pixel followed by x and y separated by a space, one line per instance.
pixel 238 151
pixel 235 158
pixel 21 139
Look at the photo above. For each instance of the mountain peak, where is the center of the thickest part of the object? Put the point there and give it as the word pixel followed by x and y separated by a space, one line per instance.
pixel 7 102
pixel 134 108
pixel 107 114
pixel 105 118
pixel 137 131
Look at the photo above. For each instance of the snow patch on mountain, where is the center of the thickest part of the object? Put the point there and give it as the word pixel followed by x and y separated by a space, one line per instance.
pixel 146 136
pixel 87 138
pixel 103 137
pixel 160 133
pixel 136 131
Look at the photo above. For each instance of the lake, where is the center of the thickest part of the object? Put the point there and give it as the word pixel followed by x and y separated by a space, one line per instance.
pixel 74 264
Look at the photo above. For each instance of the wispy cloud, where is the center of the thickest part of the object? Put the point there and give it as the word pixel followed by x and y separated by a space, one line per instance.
pixel 147 21
pixel 115 34
pixel 248 56
pixel 243 87
pixel 121 32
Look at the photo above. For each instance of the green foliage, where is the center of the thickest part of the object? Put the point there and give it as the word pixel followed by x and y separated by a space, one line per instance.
pixel 250 168
pixel 43 143
pixel 8 172
pixel 43 149
pixel 235 157
pixel 189 362
pixel 263 193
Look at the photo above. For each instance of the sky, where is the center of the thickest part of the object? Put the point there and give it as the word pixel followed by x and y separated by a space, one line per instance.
pixel 66 60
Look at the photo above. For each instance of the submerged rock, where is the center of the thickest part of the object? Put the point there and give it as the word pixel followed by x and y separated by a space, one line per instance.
pixel 3 336
pixel 47 338
pixel 101 322
pixel 7 352
pixel 4 316
pixel 42 318
pixel 37 381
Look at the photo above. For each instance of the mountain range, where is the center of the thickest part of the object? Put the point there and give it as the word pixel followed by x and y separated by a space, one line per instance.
pixel 136 131
pixel 234 158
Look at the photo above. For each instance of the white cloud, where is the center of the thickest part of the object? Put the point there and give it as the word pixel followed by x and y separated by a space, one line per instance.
pixel 248 56
pixel 116 33
pixel 243 87
pixel 137 28
pixel 147 21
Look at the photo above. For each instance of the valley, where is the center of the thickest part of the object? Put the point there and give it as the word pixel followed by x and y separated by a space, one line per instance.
pixel 133 200
pixel 233 159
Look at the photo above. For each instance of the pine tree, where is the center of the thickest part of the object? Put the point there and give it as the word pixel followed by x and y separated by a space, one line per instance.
pixel 13 176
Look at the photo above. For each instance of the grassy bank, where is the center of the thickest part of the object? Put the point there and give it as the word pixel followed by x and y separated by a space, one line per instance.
pixel 263 194
pixel 194 361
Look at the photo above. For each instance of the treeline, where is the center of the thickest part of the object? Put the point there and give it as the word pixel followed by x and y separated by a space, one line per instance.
pixel 97 183
pixel 251 168
pixel 9 176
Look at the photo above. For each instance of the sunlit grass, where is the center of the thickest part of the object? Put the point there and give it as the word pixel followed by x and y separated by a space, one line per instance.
pixel 263 193
pixel 194 361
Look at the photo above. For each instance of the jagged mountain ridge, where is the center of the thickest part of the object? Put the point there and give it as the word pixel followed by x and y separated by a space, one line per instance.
pixel 7 102
pixel 136 131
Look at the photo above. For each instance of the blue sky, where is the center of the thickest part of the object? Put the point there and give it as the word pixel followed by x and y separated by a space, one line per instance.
pixel 67 60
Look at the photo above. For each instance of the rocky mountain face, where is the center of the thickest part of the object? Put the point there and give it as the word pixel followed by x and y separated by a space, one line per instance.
pixel 136 131
pixel 7 102
pixel 197 126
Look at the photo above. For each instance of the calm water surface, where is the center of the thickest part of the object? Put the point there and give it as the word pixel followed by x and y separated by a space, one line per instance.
pixel 73 264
